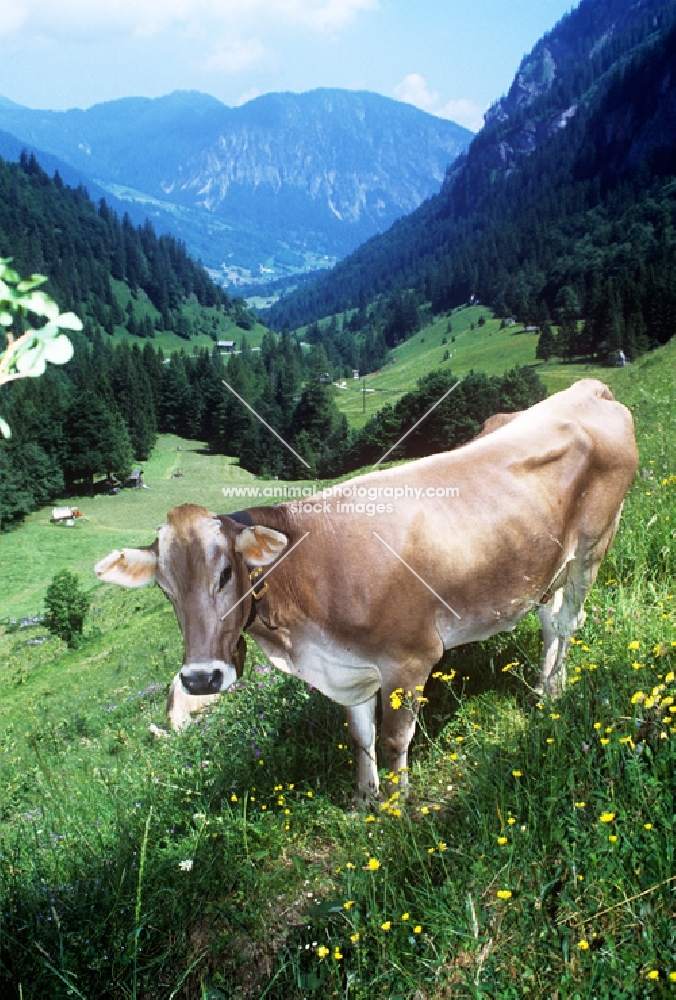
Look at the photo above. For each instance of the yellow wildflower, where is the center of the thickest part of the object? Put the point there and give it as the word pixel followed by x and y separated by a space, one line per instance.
pixel 373 865
pixel 607 817
pixel 386 926
pixel 337 954
pixel 654 974
pixel 348 904
pixel 322 951
pixel 517 774
pixel 354 937
pixel 583 945
pixel 417 929
pixel 634 644
pixel 405 916
pixel 502 840
pixel 504 893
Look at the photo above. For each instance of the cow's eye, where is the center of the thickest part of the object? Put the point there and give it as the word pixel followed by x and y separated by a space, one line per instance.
pixel 224 577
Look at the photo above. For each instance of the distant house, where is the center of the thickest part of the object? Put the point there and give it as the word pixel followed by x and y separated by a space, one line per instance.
pixel 617 359
pixel 226 345
pixel 136 478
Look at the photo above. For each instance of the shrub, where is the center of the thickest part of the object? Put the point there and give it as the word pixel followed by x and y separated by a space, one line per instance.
pixel 67 607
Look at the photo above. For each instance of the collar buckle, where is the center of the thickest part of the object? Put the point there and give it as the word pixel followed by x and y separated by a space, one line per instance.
pixel 257 592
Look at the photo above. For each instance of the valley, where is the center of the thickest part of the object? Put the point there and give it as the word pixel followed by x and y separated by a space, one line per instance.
pixel 280 245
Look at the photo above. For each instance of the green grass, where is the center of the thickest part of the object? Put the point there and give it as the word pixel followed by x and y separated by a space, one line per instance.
pixel 486 348
pixel 30 555
pixel 96 816
pixel 204 319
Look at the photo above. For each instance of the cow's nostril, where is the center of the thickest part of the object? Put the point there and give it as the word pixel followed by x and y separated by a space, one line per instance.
pixel 202 680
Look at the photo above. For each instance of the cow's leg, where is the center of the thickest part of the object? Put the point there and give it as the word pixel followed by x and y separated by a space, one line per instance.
pixel 398 727
pixel 361 727
pixel 564 614
pixel 558 621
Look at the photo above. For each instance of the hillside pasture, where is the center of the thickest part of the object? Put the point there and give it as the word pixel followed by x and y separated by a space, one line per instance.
pixel 535 857
pixel 30 555
pixel 204 321
pixel 485 348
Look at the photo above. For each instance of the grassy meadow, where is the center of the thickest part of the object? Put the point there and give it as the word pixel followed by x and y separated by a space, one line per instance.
pixel 30 555
pixel 204 320
pixel 534 858
pixel 470 346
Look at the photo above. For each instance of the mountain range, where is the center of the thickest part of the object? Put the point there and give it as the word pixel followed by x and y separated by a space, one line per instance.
pixel 563 207
pixel 283 183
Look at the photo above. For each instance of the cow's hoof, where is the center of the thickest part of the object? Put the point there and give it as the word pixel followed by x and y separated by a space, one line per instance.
pixel 362 801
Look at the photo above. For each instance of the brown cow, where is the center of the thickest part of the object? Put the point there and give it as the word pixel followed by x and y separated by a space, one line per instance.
pixel 494 423
pixel 369 585
pixel 181 705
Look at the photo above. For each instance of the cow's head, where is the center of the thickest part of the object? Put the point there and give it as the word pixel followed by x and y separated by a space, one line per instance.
pixel 203 564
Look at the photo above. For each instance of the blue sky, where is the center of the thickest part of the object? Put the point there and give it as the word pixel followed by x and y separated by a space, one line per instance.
pixel 449 57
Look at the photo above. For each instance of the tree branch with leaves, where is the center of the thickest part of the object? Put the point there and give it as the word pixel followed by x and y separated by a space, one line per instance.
pixel 26 356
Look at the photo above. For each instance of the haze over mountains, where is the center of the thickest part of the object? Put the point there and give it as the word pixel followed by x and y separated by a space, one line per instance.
pixel 284 182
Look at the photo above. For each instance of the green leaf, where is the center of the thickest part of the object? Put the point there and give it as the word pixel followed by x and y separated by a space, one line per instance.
pixel 30 283
pixel 59 350
pixel 41 305
pixel 69 321
pixel 31 362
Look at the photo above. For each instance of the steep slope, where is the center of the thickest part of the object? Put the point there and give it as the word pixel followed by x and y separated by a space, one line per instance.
pixel 537 205
pixel 320 171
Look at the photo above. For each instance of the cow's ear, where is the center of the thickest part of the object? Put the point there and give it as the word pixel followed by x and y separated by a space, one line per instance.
pixel 259 545
pixel 128 568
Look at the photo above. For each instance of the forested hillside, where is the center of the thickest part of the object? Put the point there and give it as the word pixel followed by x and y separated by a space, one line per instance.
pixel 563 209
pixel 50 229
pixel 102 411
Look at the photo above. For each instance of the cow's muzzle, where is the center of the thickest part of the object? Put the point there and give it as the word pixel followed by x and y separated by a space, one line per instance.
pixel 208 678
